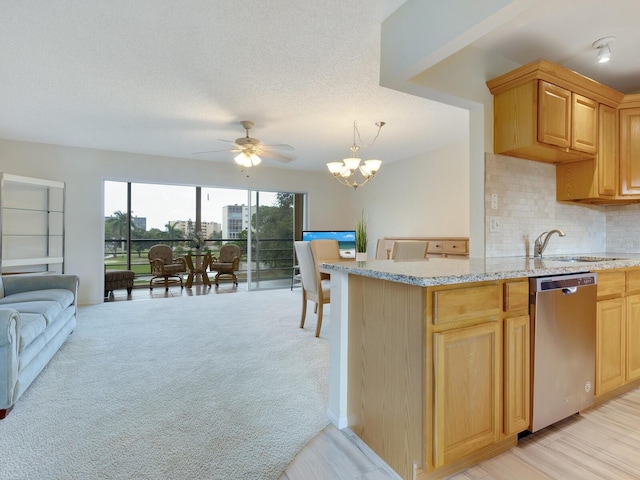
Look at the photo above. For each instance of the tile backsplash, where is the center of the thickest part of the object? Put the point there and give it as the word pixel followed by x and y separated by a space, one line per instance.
pixel 527 207
pixel 623 229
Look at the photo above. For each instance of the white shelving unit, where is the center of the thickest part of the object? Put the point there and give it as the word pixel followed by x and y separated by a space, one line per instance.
pixel 31 224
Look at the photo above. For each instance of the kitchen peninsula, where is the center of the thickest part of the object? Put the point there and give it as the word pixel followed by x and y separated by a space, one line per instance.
pixel 430 360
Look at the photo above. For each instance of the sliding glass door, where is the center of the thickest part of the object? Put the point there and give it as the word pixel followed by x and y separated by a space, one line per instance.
pixel 263 224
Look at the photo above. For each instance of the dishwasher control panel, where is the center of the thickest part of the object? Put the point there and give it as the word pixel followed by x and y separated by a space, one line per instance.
pixel 564 281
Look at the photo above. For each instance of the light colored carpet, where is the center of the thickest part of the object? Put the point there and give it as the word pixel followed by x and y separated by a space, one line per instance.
pixel 207 387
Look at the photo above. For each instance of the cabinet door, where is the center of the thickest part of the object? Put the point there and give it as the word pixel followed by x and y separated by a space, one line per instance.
pixel 607 159
pixel 630 151
pixel 610 354
pixel 554 115
pixel 633 337
pixel 517 400
pixel 467 390
pixel 584 124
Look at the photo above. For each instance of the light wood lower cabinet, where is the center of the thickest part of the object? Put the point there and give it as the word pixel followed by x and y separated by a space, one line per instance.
pixel 438 377
pixel 617 331
pixel 467 391
pixel 633 337
pixel 610 356
pixel 517 374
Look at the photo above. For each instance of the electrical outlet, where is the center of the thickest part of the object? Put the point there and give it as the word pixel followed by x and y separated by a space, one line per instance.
pixel 494 201
pixel 494 224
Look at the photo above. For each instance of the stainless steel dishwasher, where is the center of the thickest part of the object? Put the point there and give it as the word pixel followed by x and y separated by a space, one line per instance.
pixel 563 309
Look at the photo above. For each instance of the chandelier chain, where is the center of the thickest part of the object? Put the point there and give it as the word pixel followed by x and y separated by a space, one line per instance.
pixel 356 131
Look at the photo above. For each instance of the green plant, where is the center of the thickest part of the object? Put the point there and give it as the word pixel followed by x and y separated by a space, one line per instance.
pixel 361 234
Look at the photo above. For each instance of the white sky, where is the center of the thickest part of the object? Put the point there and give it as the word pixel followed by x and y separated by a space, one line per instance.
pixel 161 203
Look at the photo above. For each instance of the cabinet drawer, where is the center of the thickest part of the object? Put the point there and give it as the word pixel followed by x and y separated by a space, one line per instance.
pixel 516 296
pixel 435 246
pixel 633 280
pixel 465 303
pixel 611 283
pixel 458 247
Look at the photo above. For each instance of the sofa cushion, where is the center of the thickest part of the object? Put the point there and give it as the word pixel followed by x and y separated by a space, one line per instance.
pixel 50 310
pixel 1 287
pixel 31 326
pixel 62 296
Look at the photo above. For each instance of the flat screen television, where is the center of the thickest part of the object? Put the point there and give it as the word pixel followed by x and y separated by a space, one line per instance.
pixel 346 239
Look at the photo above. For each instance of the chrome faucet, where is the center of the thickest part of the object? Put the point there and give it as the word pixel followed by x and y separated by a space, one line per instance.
pixel 540 244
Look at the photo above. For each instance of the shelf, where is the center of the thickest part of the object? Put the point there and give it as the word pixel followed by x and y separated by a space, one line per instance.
pixel 23 209
pixel 20 262
pixel 32 181
pixel 31 224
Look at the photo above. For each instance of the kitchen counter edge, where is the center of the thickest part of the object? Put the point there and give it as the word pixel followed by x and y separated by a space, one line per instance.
pixel 446 271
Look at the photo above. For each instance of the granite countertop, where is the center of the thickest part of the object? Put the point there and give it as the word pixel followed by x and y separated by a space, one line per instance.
pixel 445 271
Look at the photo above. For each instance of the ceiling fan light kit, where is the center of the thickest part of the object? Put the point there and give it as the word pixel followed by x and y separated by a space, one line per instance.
pixel 247 159
pixel 250 150
pixel 604 50
pixel 345 170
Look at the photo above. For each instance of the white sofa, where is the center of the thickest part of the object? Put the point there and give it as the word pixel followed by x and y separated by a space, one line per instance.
pixel 37 314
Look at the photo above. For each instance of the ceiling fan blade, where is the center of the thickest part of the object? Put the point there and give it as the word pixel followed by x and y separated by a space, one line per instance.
pixel 237 150
pixel 275 156
pixel 281 146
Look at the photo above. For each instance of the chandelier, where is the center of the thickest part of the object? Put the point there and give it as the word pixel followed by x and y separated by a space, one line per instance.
pixel 345 171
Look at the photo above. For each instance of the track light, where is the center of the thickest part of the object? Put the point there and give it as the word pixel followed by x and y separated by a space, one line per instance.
pixel 604 51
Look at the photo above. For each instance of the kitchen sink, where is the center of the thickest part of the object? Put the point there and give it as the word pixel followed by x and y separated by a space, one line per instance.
pixel 582 258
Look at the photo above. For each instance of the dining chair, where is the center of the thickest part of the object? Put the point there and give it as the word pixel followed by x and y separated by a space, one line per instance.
pixel 326 250
pixel 382 252
pixel 409 249
pixel 313 287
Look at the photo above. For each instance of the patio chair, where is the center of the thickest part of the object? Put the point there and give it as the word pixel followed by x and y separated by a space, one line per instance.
pixel 163 265
pixel 227 263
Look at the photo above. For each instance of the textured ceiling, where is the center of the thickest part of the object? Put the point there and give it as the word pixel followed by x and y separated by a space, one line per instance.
pixel 172 78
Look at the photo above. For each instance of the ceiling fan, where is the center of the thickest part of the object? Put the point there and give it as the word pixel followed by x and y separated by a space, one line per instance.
pixel 251 149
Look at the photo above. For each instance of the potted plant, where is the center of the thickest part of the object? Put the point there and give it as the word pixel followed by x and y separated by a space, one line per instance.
pixel 361 239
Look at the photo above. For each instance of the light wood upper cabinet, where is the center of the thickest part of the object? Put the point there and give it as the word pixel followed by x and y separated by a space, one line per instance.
pixel 594 180
pixel 630 151
pixel 584 124
pixel 546 113
pixel 566 119
pixel 607 160
pixel 534 120
pixel 554 115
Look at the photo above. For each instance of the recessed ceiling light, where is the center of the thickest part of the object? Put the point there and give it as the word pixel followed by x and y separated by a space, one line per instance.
pixel 604 51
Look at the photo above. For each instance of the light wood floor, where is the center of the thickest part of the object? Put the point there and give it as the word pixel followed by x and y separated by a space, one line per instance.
pixel 603 443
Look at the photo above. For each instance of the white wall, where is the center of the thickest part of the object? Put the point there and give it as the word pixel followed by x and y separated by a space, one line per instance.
pixel 423 196
pixel 84 170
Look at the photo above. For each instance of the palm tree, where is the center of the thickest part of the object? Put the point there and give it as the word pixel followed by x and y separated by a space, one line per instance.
pixel 173 232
